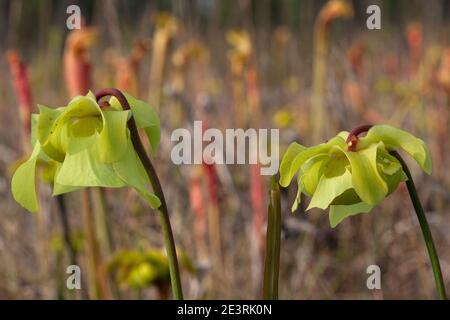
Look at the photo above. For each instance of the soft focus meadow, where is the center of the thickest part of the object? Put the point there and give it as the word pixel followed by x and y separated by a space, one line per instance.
pixel 309 68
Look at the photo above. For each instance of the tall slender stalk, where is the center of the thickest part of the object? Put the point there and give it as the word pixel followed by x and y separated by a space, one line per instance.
pixel 103 236
pixel 78 79
pixel 332 10
pixel 198 206
pixel 247 101
pixel 127 68
pixel 163 212
pixel 98 285
pixel 214 228
pixel 273 239
pixel 66 230
pixel 166 28
pixel 434 259
pixel 21 82
pixel 101 219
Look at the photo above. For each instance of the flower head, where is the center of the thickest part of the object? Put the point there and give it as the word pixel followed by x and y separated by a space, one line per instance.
pixel 351 175
pixel 88 147
pixel 139 269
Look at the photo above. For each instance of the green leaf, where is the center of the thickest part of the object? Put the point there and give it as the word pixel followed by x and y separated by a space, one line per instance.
pixel 132 172
pixel 367 181
pixel 330 188
pixel 340 212
pixel 145 117
pixel 83 170
pixel 23 182
pixel 395 138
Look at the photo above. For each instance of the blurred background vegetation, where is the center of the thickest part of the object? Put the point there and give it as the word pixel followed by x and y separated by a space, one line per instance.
pixel 303 66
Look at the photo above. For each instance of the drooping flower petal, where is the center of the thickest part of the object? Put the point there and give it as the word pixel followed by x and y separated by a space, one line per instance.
pixel 59 140
pixel 58 188
pixel 145 117
pixel 292 151
pixel 47 168
pixel 132 172
pixel 82 134
pixel 55 132
pixel 367 181
pixel 289 171
pixel 23 182
pixel 34 122
pixel 298 196
pixel 340 212
pixel 389 164
pixel 113 139
pixel 329 188
pixel 390 169
pixel 395 138
pixel 45 122
pixel 82 169
pixel 311 172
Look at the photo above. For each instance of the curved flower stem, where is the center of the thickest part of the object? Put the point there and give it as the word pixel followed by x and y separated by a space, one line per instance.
pixel 352 138
pixel 272 259
pixel 164 214
pixel 434 259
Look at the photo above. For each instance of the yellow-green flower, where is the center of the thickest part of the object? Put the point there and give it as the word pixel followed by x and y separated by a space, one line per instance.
pixel 351 179
pixel 139 269
pixel 87 146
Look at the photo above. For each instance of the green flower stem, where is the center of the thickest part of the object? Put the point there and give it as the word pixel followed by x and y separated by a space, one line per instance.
pixel 95 288
pixel 425 229
pixel 65 225
pixel 163 212
pixel 66 230
pixel 273 239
